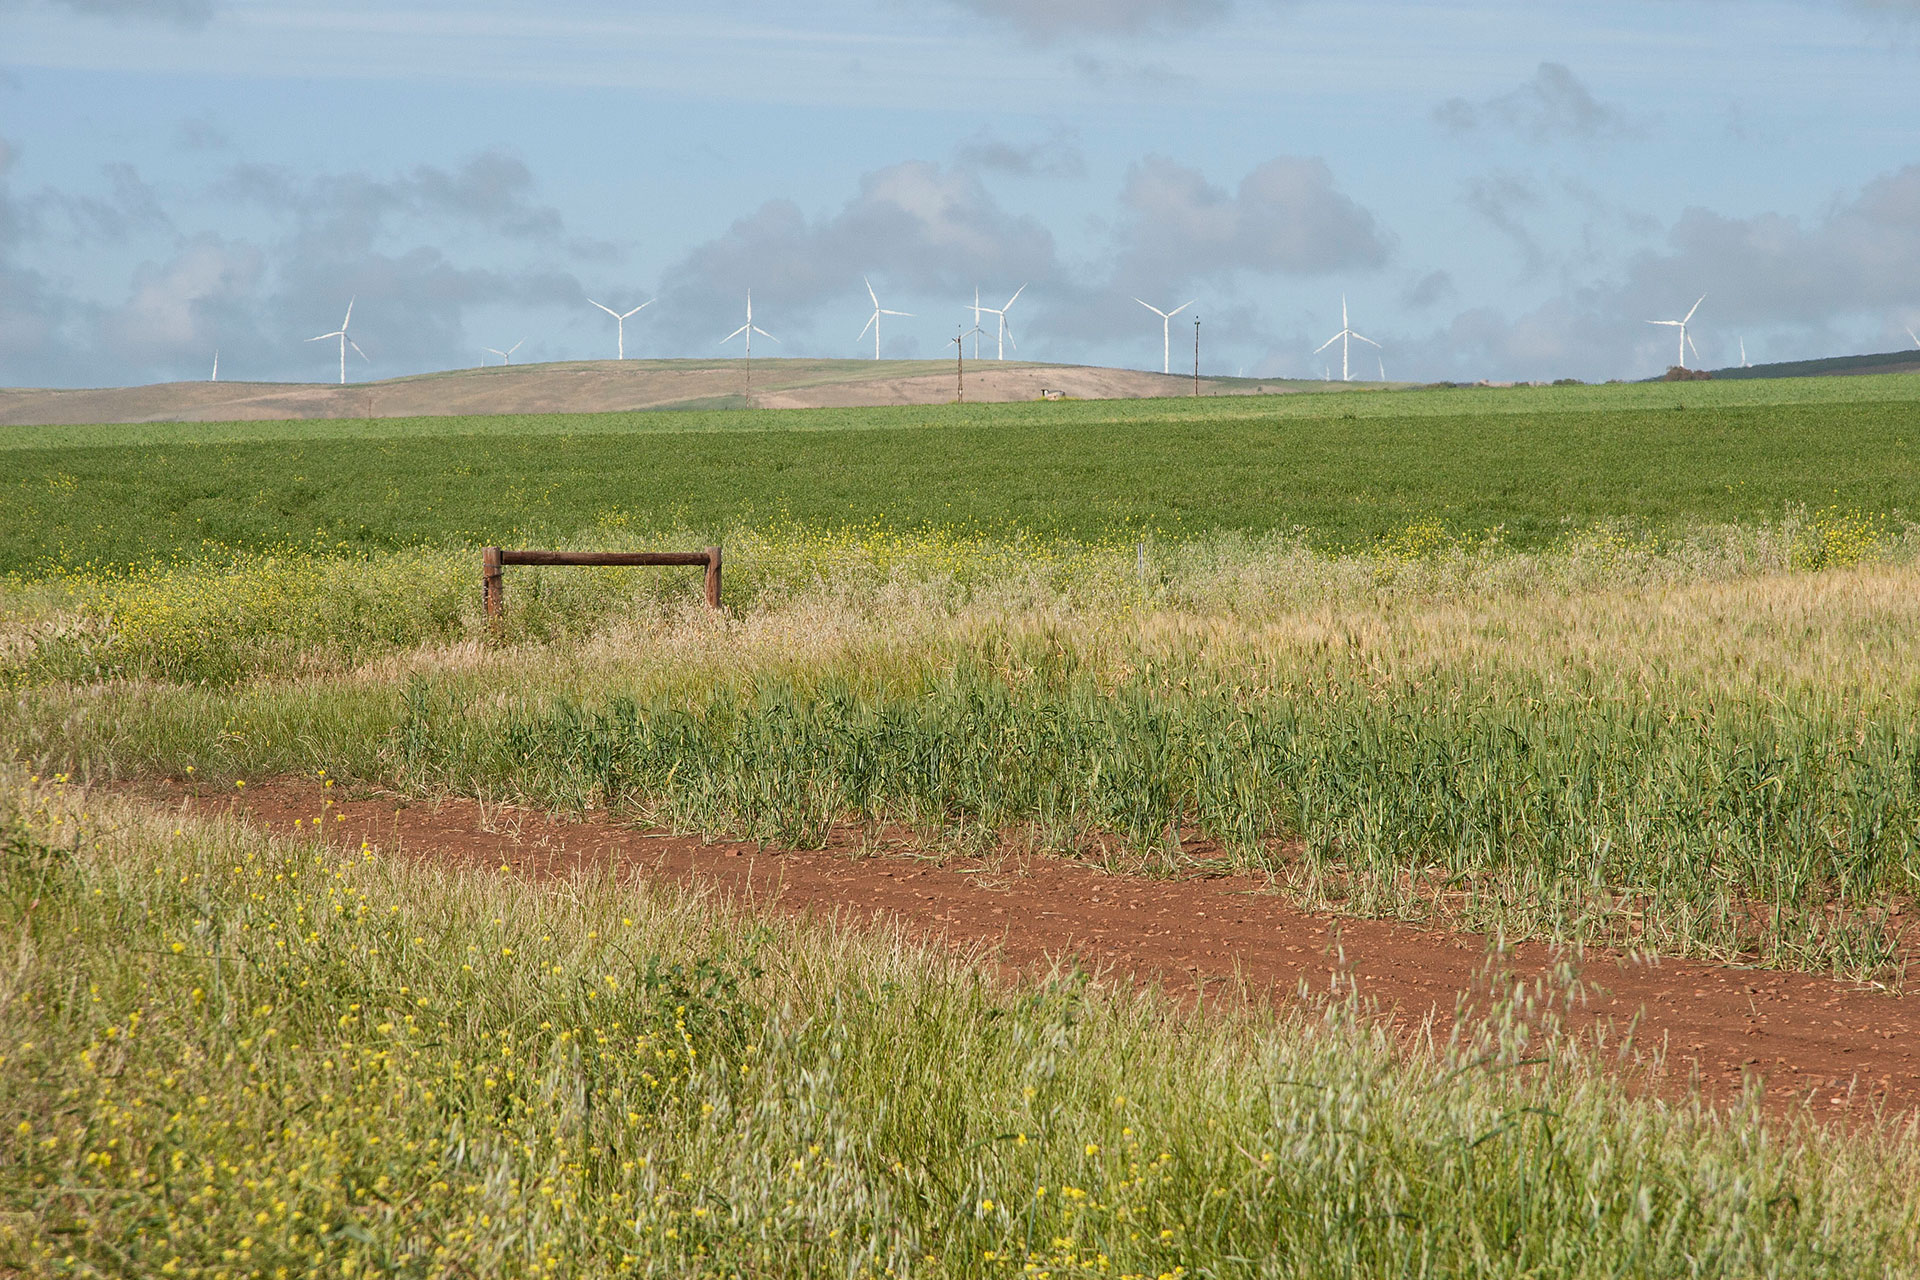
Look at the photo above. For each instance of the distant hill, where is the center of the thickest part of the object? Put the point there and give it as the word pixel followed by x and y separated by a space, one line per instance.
pixel 1831 367
pixel 612 386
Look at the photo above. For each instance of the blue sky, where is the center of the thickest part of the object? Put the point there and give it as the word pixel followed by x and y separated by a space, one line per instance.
pixel 1501 190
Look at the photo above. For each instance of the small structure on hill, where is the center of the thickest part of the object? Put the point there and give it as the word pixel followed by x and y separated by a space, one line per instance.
pixel 1680 373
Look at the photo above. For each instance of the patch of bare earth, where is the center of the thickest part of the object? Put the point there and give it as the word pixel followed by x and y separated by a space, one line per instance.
pixel 1835 1045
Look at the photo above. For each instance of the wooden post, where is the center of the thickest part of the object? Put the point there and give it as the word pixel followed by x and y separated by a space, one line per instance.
pixel 713 577
pixel 493 586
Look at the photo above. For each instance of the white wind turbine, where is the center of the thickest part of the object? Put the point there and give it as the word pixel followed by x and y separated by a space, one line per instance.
pixel 216 366
pixel 345 342
pixel 620 320
pixel 1345 339
pixel 750 328
pixel 976 331
pixel 873 321
pixel 1166 330
pixel 1747 364
pixel 1681 324
pixel 1006 333
pixel 506 357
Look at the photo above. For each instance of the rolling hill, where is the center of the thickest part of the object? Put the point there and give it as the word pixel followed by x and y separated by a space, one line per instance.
pixel 607 386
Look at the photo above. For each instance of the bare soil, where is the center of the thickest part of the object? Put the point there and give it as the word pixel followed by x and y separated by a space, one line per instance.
pixel 605 386
pixel 1836 1046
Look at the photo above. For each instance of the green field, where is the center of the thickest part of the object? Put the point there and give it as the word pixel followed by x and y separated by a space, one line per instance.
pixel 1348 469
pixel 1670 708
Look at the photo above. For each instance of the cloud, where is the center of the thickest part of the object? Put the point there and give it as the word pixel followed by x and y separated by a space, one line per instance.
pixel 1057 157
pixel 1050 20
pixel 1430 289
pixel 186 13
pixel 1552 107
pixel 491 190
pixel 914 225
pixel 1286 217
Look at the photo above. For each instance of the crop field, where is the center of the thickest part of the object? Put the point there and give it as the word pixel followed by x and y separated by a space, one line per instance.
pixel 1628 670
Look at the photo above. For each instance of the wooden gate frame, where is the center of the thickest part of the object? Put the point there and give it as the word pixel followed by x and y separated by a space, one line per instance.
pixel 493 560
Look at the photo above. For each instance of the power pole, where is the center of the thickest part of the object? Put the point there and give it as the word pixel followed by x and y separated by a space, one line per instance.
pixel 1196 356
pixel 959 373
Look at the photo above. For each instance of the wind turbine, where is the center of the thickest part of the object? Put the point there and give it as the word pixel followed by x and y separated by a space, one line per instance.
pixel 619 319
pixel 976 331
pixel 345 342
pixel 750 328
pixel 1747 364
pixel 873 321
pixel 1166 330
pixel 1344 338
pixel 1006 333
pixel 506 357
pixel 1681 324
pixel 216 366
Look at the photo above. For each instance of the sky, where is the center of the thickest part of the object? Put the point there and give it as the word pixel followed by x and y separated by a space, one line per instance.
pixel 1503 190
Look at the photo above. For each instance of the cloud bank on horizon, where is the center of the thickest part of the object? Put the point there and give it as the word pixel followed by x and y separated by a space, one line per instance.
pixel 1498 197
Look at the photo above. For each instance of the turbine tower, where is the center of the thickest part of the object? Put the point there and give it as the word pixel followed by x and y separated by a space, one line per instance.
pixel 506 357
pixel 1681 324
pixel 345 342
pixel 620 321
pixel 976 331
pixel 873 321
pixel 1345 339
pixel 1166 330
pixel 750 328
pixel 1006 333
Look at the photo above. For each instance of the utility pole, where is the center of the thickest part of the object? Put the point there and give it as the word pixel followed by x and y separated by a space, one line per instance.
pixel 959 373
pixel 1196 356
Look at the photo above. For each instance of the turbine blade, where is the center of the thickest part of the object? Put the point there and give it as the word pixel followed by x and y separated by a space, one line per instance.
pixel 1182 307
pixel 1695 307
pixel 736 333
pixel 763 333
pixel 1015 298
pixel 349 319
pixel 1149 306
pixel 1369 341
pixel 1329 342
pixel 1665 322
pixel 516 346
pixel 609 310
pixel 1914 336
pixel 872 320
pixel 642 307
pixel 885 312
pixel 871 293
pixel 323 337
pixel 1692 348
pixel 357 351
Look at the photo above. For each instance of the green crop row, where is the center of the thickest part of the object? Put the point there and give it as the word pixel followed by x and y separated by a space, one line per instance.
pixel 1348 472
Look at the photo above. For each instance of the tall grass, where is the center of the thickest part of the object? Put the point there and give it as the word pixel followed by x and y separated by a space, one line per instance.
pixel 1686 745
pixel 222 1055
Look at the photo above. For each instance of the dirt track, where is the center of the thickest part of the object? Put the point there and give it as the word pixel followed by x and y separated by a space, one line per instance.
pixel 1837 1045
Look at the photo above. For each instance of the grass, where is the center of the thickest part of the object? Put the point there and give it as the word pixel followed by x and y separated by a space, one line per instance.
pixel 1351 470
pixel 223 1055
pixel 1699 748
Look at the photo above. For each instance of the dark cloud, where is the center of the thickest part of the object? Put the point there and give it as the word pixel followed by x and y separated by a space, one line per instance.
pixel 186 13
pixel 1551 107
pixel 1286 217
pixel 1429 290
pixel 1503 199
pixel 913 225
pixel 492 190
pixel 1049 20
pixel 1057 157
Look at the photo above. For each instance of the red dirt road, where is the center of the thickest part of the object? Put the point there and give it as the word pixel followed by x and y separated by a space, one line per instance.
pixel 1834 1044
